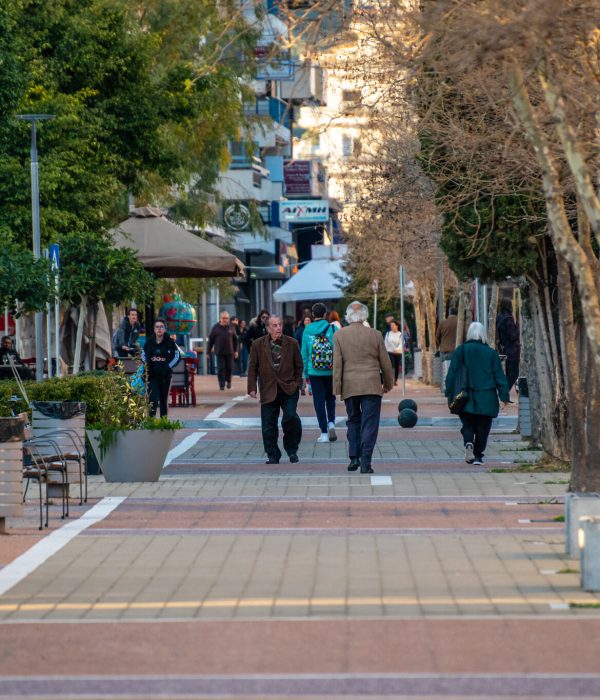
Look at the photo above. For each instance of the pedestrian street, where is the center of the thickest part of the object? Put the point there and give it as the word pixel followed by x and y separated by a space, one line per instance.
pixel 233 578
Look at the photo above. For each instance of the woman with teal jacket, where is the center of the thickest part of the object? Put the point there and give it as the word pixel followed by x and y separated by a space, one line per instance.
pixel 321 377
pixel 486 382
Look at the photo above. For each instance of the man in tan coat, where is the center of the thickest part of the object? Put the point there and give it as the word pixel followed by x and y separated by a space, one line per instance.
pixel 276 366
pixel 362 373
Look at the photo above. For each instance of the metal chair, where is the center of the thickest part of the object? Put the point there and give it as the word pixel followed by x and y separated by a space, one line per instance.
pixel 180 385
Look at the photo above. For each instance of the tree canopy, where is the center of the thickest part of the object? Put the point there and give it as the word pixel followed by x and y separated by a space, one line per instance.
pixel 146 96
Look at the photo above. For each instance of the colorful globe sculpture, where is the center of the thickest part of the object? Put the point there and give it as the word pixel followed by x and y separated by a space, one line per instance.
pixel 179 316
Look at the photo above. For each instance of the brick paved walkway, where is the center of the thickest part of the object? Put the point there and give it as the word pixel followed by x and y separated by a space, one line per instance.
pixel 232 578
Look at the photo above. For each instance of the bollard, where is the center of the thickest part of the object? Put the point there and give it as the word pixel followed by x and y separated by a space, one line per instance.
pixel 578 505
pixel 589 552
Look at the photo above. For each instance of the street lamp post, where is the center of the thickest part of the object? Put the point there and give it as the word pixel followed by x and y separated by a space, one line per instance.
pixel 37 238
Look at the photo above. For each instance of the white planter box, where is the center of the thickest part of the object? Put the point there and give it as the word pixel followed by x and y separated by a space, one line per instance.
pixel 589 552
pixel 136 455
pixel 11 471
pixel 578 505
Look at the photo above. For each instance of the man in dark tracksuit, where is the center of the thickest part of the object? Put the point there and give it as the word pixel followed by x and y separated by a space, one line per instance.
pixel 224 340
pixel 160 354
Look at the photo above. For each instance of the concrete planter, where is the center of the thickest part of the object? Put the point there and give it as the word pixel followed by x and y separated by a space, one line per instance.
pixel 418 360
pixel 578 505
pixel 589 552
pixel 11 469
pixel 136 455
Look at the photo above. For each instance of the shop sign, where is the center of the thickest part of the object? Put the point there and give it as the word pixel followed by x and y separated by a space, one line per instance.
pixel 304 211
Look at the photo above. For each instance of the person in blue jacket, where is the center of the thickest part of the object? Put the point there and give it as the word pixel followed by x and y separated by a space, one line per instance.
pixel 486 382
pixel 317 357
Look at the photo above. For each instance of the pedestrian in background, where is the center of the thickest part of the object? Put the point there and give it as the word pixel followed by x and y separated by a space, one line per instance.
pixel 257 327
pixel 508 341
pixel 288 326
pixel 243 350
pixel 486 382
pixel 394 344
pixel 388 318
pixel 275 367
pixel 305 321
pixel 445 335
pixel 223 339
pixel 160 354
pixel 334 318
pixel 362 373
pixel 317 358
pixel 125 338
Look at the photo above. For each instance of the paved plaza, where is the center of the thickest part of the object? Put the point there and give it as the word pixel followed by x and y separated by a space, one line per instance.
pixel 230 578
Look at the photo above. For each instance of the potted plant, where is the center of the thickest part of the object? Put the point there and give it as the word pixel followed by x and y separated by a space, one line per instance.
pixel 128 444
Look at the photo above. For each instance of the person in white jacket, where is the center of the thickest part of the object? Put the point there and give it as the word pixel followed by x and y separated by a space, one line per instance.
pixel 394 344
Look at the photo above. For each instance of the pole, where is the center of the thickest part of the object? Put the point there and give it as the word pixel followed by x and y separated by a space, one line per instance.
pixel 440 289
pixel 37 239
pixel 402 329
pixel 375 310
pixel 48 329
pixel 6 321
pixel 476 300
pixel 204 331
pixel 484 307
pixel 37 242
pixel 57 322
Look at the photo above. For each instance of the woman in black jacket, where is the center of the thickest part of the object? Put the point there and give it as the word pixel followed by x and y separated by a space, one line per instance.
pixel 160 354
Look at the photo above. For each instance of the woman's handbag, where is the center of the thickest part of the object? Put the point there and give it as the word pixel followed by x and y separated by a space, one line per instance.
pixel 460 390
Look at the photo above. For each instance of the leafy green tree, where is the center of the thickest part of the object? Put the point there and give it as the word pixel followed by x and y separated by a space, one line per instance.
pixel 94 270
pixel 146 96
pixel 23 279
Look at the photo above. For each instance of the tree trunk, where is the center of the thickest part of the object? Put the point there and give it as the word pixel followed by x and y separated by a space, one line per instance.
pixel 548 408
pixel 78 341
pixel 92 335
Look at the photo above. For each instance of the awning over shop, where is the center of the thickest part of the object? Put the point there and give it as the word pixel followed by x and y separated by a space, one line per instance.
pixel 317 280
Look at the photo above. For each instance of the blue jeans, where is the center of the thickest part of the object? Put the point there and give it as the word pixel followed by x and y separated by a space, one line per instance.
pixel 363 426
pixel 323 399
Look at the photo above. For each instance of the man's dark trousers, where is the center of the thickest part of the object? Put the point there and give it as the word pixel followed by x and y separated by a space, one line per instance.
pixel 224 369
pixel 476 429
pixel 290 423
pixel 512 372
pixel 363 426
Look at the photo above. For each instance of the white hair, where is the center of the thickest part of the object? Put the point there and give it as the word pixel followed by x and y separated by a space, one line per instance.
pixel 477 332
pixel 356 312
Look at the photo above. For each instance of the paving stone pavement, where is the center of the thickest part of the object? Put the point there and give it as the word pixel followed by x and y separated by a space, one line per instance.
pixel 232 578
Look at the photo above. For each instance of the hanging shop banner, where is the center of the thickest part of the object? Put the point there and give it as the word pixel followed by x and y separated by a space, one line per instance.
pixel 307 211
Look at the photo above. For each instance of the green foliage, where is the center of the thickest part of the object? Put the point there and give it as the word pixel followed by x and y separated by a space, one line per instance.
pixel 91 266
pixel 492 239
pixel 146 94
pixel 22 278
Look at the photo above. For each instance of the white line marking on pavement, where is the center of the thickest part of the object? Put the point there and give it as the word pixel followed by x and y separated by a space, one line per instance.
pixel 559 606
pixel 183 446
pixel 29 561
pixel 381 480
pixel 523 521
pixel 218 412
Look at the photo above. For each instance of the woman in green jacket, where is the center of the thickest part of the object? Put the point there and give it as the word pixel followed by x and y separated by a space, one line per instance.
pixel 486 382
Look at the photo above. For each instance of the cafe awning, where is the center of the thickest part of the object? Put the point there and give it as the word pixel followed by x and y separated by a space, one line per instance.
pixel 168 250
pixel 316 280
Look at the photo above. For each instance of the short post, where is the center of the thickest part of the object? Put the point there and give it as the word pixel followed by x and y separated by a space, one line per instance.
pixel 589 552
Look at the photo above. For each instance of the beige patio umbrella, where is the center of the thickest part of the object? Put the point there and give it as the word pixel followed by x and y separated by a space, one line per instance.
pixel 168 250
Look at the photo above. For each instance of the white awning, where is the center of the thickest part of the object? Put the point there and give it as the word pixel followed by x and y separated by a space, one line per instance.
pixel 318 279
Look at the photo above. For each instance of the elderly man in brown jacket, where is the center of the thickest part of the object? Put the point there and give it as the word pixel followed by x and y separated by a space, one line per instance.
pixel 276 366
pixel 362 373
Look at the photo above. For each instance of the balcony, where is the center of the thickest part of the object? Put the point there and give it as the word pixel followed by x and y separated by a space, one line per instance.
pixel 307 87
